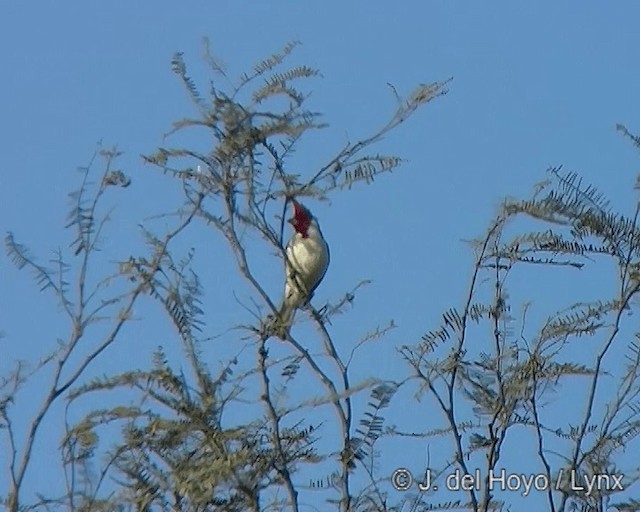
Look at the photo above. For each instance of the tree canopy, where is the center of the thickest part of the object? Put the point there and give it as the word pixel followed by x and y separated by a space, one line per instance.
pixel 248 422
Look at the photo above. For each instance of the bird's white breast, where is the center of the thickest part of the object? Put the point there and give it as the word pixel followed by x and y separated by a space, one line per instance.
pixel 309 258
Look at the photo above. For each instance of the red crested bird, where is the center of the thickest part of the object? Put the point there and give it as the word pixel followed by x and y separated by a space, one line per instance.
pixel 307 262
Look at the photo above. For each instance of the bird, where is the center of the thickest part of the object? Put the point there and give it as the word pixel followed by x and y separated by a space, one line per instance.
pixel 307 260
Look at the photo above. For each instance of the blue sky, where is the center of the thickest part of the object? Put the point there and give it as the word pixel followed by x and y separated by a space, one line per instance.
pixel 534 85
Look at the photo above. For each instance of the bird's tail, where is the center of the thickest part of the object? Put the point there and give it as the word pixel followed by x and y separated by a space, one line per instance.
pixel 286 314
pixel 282 322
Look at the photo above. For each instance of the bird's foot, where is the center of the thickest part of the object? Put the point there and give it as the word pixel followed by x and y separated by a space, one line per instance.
pixel 274 327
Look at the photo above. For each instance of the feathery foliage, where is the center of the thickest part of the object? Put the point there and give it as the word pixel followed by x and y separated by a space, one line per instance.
pixel 509 379
pixel 174 443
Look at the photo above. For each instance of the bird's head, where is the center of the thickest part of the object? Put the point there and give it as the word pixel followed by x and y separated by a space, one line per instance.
pixel 301 219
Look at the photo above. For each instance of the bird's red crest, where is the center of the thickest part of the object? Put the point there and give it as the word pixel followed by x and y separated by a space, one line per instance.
pixel 301 219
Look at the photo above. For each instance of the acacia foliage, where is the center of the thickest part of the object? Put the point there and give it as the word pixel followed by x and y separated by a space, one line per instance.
pixel 175 447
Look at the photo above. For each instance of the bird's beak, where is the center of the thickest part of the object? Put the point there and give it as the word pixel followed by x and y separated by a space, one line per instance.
pixel 292 221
